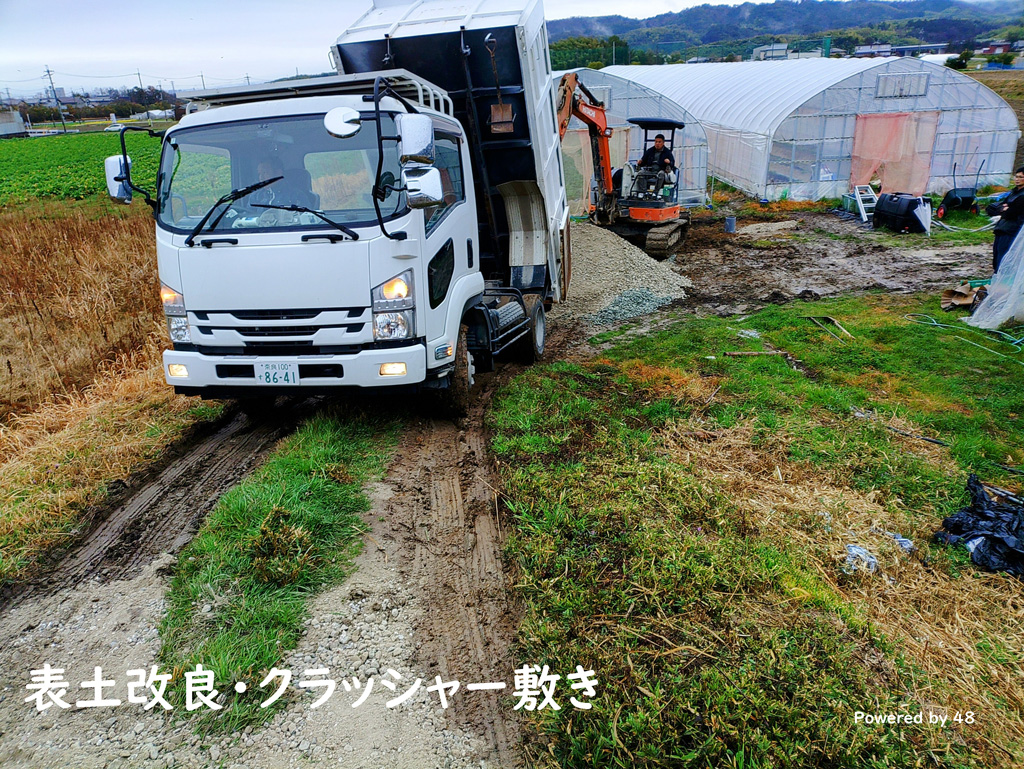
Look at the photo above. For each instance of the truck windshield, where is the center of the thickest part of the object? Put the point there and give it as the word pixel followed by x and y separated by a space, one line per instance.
pixel 320 172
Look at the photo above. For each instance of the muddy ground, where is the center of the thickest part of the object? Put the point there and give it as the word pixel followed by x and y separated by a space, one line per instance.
pixel 430 595
pixel 810 256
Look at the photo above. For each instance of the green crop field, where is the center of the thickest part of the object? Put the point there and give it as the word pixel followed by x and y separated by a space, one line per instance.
pixel 70 165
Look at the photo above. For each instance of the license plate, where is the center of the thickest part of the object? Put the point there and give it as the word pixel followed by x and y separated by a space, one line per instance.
pixel 277 373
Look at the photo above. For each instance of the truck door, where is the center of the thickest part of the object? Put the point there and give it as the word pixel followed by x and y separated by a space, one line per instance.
pixel 450 231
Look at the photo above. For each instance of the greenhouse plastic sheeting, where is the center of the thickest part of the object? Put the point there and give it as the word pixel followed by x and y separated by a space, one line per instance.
pixel 787 128
pixel 897 147
pixel 1005 300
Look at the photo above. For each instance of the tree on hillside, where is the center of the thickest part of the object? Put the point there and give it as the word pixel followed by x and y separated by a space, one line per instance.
pixel 586 51
pixel 960 62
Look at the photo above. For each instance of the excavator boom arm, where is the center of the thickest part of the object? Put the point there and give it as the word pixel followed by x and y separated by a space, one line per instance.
pixel 593 115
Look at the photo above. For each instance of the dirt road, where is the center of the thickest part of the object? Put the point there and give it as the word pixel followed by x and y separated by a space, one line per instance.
pixel 428 598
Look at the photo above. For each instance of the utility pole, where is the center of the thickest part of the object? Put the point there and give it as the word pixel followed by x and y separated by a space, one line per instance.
pixel 247 78
pixel 143 94
pixel 56 100
pixel 203 79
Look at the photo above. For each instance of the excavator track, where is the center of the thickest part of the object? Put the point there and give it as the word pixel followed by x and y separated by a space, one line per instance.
pixel 663 241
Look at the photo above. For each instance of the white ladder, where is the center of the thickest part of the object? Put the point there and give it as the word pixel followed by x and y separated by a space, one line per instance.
pixel 866 199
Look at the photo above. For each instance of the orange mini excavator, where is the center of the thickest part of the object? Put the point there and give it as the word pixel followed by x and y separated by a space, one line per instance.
pixel 638 203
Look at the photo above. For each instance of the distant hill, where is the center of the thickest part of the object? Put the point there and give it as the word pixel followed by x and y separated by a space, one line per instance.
pixel 922 20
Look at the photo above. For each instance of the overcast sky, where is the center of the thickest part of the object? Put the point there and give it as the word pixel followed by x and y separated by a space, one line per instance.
pixel 91 44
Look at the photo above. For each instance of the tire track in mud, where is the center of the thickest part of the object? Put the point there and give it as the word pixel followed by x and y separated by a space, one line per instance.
pixel 444 524
pixel 161 509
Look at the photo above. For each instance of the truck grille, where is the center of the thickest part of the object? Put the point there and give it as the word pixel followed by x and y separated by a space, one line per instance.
pixel 296 330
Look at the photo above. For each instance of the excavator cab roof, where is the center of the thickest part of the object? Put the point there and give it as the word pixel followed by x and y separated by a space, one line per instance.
pixel 657 123
pixel 649 124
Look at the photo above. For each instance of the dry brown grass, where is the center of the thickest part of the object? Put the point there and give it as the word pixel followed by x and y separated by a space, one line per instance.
pixel 1009 84
pixel 78 287
pixel 57 460
pixel 967 632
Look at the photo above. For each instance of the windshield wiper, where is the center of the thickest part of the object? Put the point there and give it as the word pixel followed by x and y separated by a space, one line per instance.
pixel 303 210
pixel 231 197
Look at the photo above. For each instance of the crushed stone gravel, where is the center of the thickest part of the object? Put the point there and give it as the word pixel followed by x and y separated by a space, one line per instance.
pixel 613 280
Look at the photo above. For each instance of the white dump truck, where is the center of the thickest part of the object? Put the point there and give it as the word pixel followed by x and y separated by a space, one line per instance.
pixel 401 223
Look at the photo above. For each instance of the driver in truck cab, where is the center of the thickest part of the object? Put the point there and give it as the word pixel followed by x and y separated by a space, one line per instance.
pixel 287 191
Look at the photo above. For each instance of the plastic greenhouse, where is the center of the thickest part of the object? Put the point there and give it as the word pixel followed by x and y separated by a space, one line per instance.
pixel 624 99
pixel 807 129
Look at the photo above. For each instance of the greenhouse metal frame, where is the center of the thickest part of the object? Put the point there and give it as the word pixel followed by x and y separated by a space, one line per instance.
pixel 808 129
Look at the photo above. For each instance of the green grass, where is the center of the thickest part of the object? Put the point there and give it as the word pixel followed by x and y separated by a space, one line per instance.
pixel 71 165
pixel 271 542
pixel 706 594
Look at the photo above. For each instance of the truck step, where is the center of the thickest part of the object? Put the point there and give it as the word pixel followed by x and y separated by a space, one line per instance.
pixel 507 316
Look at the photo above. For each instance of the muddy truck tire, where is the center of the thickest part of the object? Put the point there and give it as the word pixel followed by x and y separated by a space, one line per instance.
pixel 458 396
pixel 531 347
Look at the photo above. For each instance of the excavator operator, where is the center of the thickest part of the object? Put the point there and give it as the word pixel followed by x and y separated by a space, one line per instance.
pixel 659 157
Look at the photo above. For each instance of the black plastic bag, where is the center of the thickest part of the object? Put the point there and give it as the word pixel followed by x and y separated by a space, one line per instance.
pixel 992 532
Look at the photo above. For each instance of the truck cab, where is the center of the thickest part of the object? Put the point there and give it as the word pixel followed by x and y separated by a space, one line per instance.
pixel 365 229
pixel 294 285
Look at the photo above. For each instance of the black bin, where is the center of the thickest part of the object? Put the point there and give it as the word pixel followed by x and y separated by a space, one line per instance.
pixel 895 211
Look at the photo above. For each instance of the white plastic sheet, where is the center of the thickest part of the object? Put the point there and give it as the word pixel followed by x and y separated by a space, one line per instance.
pixel 1005 300
pixel 786 128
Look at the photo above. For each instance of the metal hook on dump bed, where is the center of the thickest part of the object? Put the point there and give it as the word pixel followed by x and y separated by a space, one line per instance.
pixel 502 118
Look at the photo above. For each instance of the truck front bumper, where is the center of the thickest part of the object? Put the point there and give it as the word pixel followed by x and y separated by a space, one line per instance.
pixel 226 375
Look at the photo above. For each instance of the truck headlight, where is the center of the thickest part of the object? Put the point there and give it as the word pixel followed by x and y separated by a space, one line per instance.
pixel 394 294
pixel 393 325
pixel 394 307
pixel 174 303
pixel 178 329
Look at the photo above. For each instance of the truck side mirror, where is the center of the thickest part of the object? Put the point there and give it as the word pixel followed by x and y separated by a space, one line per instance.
pixel 342 122
pixel 117 178
pixel 416 139
pixel 422 186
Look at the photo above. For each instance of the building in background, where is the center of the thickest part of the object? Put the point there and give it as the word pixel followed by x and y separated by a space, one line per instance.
pixel 11 124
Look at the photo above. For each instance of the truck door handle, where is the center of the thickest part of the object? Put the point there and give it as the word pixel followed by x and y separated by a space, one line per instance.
pixel 325 236
pixel 211 242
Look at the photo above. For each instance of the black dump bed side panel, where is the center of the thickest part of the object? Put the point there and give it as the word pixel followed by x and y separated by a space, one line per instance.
pixel 497 157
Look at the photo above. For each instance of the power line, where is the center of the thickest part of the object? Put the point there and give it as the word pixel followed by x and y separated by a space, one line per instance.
pixel 92 77
pixel 177 77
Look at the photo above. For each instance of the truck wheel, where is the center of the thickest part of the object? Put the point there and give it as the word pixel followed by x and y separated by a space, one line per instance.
pixel 460 392
pixel 532 345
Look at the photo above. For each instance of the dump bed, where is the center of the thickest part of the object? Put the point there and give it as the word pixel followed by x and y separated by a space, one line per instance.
pixel 491 57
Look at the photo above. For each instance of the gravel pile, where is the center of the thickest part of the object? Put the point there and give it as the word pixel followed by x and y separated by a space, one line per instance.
pixel 613 280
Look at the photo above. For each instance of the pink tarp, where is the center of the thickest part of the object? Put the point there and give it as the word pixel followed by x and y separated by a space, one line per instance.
pixel 897 147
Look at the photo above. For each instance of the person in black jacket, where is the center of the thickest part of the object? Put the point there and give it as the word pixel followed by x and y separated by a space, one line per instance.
pixel 1010 211
pixel 659 157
